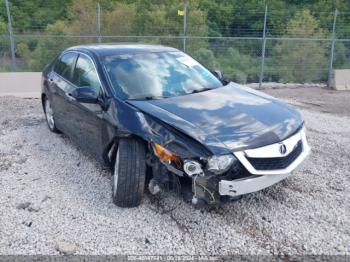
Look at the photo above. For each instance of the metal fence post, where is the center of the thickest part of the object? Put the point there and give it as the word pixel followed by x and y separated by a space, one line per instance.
pixel 185 27
pixel 12 41
pixel 98 22
pixel 331 55
pixel 261 77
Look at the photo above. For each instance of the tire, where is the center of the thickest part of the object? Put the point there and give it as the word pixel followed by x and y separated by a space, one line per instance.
pixel 129 173
pixel 49 116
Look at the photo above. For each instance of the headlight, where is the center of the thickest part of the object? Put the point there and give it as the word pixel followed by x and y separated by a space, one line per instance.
pixel 193 168
pixel 220 164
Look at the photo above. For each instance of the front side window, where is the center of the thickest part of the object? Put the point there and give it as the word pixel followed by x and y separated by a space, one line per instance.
pixel 85 74
pixel 161 74
pixel 64 65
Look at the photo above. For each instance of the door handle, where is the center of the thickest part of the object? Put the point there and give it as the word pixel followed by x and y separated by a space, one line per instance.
pixel 70 97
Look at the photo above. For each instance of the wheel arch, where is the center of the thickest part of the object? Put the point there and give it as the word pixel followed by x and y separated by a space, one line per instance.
pixel 110 151
pixel 43 97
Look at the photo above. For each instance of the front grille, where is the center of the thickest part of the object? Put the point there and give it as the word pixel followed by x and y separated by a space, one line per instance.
pixel 275 163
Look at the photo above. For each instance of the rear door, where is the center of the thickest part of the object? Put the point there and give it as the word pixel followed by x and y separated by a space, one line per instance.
pixel 60 83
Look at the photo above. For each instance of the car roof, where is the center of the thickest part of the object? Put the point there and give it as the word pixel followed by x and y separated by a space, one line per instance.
pixel 102 50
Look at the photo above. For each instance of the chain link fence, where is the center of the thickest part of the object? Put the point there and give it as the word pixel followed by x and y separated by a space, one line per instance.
pixel 268 53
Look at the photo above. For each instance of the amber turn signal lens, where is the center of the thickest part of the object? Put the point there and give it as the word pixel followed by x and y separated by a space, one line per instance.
pixel 164 154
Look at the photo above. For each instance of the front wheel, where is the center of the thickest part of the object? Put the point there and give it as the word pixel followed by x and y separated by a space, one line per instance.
pixel 129 173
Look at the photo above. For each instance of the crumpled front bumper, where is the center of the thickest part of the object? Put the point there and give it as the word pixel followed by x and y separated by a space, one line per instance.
pixel 248 185
pixel 261 179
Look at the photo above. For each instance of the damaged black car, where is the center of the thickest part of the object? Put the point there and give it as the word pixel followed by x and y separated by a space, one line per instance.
pixel 160 120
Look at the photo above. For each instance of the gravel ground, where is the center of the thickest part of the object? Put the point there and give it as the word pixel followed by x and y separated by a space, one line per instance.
pixel 315 99
pixel 55 197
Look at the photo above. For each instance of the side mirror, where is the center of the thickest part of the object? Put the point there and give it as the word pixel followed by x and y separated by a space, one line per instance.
pixel 85 95
pixel 218 74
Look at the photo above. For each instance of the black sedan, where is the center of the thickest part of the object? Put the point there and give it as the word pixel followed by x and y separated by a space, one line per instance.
pixel 161 120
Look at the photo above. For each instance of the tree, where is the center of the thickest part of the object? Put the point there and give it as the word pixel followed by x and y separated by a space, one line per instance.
pixel 301 60
pixel 119 20
pixel 4 48
pixel 46 48
pixel 35 15
pixel 205 57
pixel 158 22
pixel 238 66
pixel 161 19
pixel 82 14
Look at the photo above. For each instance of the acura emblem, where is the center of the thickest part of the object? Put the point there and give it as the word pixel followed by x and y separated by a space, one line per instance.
pixel 283 149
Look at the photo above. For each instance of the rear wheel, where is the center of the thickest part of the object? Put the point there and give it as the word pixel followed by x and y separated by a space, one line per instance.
pixel 129 173
pixel 49 116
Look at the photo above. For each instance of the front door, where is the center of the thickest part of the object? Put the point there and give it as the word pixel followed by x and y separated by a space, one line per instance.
pixel 87 119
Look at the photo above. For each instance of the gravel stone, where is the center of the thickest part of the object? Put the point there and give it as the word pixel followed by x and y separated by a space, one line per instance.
pixel 27 223
pixel 34 209
pixel 23 205
pixel 65 248
pixel 308 213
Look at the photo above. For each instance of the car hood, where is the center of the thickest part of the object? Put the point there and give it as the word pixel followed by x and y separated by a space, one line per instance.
pixel 226 119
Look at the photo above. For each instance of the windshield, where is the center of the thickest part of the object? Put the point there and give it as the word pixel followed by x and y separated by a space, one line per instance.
pixel 157 75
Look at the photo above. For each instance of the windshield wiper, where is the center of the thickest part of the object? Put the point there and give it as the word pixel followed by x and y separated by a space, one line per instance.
pixel 154 97
pixel 200 90
pixel 149 98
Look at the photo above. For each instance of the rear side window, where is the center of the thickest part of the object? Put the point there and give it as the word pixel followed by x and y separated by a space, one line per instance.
pixel 64 65
pixel 85 74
